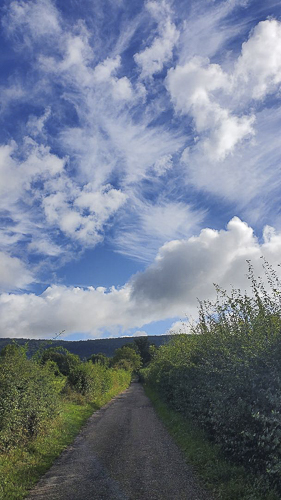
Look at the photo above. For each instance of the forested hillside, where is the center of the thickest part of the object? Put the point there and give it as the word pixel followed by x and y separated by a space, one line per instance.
pixel 84 348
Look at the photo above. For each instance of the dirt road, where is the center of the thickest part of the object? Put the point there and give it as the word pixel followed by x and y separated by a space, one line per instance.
pixel 123 453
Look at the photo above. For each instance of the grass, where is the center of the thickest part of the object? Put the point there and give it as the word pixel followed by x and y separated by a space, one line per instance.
pixel 21 468
pixel 225 480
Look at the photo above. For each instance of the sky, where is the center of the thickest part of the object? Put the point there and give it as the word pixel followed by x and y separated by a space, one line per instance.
pixel 140 160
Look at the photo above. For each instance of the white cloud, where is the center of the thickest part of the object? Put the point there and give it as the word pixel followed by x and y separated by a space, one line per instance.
pixel 153 225
pixel 103 202
pixel 200 90
pixel 17 175
pixel 72 65
pixel 179 327
pixel 247 177
pixel 259 66
pixel 152 59
pixel 230 131
pixel 34 178
pixel 190 85
pixel 13 273
pixel 182 271
pixel 115 136
pixel 194 90
pixel 103 71
pixel 77 52
pixel 25 171
pixel 139 146
pixel 45 247
pixel 159 10
pixel 121 88
pixel 206 29
pixel 163 164
pixel 10 94
pixel 66 210
pixel 35 124
pixel 39 18
pixel 186 270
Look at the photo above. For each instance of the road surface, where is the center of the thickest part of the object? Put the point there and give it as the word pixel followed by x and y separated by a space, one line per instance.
pixel 123 453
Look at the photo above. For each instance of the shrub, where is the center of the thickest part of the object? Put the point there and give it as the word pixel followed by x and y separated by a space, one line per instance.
pixel 29 396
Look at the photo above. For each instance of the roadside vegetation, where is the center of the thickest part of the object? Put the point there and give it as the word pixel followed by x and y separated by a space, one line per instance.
pixel 44 401
pixel 222 383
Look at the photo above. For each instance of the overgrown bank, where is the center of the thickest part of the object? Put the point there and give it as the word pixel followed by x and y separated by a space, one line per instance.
pixel 44 401
pixel 226 378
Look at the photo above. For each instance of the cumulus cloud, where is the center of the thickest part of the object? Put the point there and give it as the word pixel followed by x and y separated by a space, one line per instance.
pixel 25 170
pixel 31 176
pixel 104 73
pixel 21 165
pixel 193 89
pixel 153 58
pixel 13 273
pixel 182 271
pixel 190 267
pixel 259 66
pixel 82 213
pixel 199 88
pixel 179 327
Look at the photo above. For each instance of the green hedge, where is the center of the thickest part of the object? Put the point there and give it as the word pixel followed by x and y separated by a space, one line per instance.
pixel 32 390
pixel 227 376
pixel 29 396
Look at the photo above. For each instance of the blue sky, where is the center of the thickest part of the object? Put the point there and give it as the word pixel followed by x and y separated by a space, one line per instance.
pixel 139 160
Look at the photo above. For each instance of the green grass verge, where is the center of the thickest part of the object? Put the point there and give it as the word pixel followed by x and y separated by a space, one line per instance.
pixel 225 480
pixel 21 468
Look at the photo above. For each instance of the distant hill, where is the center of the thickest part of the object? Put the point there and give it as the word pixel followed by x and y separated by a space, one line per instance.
pixel 84 348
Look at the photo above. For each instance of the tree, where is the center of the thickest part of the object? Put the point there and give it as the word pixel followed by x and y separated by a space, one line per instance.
pixel 127 358
pixel 143 348
pixel 65 361
pixel 100 359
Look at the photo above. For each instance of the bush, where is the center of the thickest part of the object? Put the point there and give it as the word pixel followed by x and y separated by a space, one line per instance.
pixel 32 391
pixel 29 396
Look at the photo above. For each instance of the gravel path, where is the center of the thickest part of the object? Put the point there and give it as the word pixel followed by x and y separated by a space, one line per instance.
pixel 123 453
